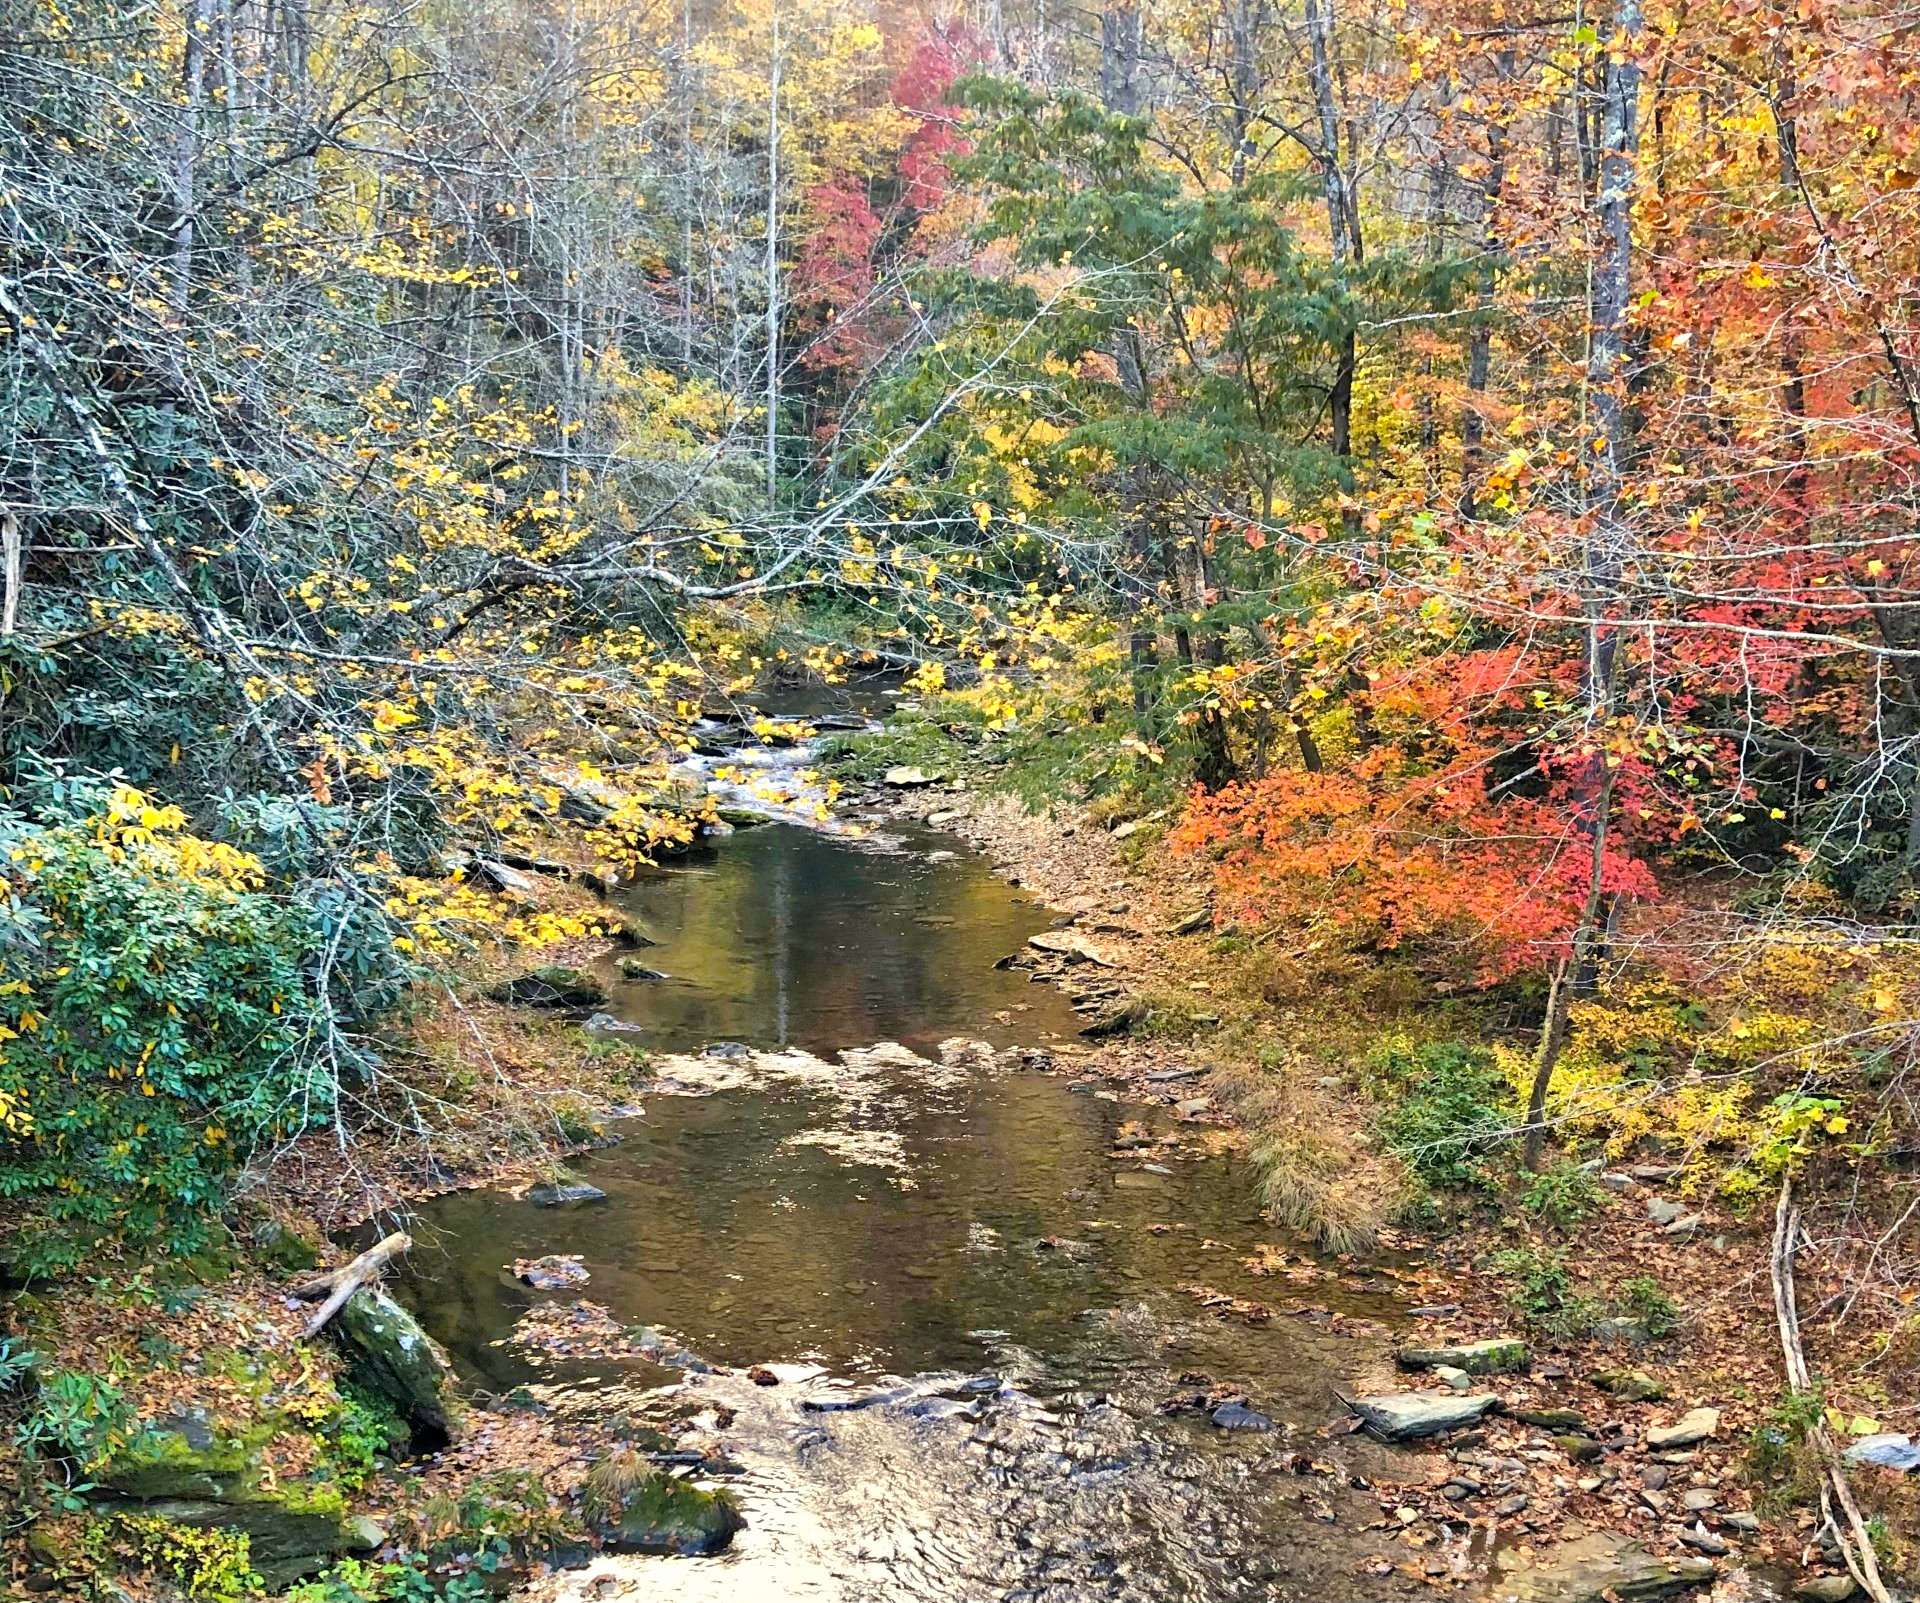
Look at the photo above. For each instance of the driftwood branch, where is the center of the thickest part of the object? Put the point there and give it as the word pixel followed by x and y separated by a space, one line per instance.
pixel 1856 1547
pixel 340 1284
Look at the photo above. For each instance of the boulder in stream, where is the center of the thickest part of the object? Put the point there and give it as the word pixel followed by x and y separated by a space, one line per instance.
pixel 906 777
pixel 635 1507
pixel 1404 1416
pixel 1600 1567
pixel 1503 1355
pixel 564 1190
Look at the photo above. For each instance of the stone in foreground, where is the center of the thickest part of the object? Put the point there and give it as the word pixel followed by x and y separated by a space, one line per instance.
pixel 388 1353
pixel 1602 1567
pixel 1405 1416
pixel 1502 1355
pixel 1887 1451
pixel 636 1508
pixel 1696 1425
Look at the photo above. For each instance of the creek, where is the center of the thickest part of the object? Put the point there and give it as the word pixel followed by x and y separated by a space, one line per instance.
pixel 971 1278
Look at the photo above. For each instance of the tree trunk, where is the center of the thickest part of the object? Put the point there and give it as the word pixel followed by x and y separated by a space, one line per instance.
pixel 1473 425
pixel 1343 227
pixel 1608 542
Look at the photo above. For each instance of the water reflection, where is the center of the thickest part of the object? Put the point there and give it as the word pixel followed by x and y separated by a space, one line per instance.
pixel 976 1245
pixel 787 937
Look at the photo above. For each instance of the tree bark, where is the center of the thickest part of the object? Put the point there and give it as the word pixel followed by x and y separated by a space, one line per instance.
pixel 342 1283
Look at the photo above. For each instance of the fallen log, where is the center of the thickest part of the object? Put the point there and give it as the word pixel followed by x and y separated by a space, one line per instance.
pixel 1856 1545
pixel 339 1284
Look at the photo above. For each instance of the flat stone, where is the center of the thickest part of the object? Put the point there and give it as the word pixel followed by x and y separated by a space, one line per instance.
pixel 1663 1211
pixel 1698 1499
pixel 1740 1519
pixel 1553 1419
pixel 1886 1451
pixel 1696 1425
pixel 906 777
pixel 1702 1540
pixel 1070 944
pixel 1581 1449
pixel 1826 1589
pixel 1404 1416
pixel 1599 1567
pixel 1458 1379
pixel 1501 1355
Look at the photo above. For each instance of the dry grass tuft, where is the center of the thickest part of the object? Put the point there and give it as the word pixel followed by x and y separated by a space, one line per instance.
pixel 1319 1176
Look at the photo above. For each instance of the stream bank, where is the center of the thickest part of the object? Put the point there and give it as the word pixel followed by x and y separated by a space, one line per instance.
pixel 958 1302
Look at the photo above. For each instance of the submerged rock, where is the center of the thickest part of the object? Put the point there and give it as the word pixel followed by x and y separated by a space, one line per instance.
pixel 1600 1567
pixel 555 1272
pixel 551 986
pixel 1403 1416
pixel 1238 1416
pixel 389 1354
pixel 1503 1355
pixel 636 1508
pixel 565 1190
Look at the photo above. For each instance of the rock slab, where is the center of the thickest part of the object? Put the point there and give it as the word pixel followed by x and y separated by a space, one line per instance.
pixel 1405 1416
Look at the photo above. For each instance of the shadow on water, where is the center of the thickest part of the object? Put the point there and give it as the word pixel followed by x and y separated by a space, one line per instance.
pixel 965 1254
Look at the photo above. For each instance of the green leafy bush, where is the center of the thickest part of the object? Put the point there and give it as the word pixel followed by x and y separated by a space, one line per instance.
pixel 155 1022
pixel 74 1415
pixel 1563 1195
pixel 209 1565
pixel 1446 1108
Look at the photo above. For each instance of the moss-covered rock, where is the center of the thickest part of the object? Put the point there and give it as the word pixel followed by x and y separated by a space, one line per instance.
pixel 182 1470
pixel 389 1355
pixel 1630 1385
pixel 551 986
pixel 1501 1356
pixel 636 1508
pixel 180 1454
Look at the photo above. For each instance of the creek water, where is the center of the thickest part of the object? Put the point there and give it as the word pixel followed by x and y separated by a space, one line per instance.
pixel 975 1294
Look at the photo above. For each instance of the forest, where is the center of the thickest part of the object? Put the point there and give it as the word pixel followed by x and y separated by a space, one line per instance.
pixel 1394 524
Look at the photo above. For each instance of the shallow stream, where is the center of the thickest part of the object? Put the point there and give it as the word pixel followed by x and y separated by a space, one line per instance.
pixel 994 1264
